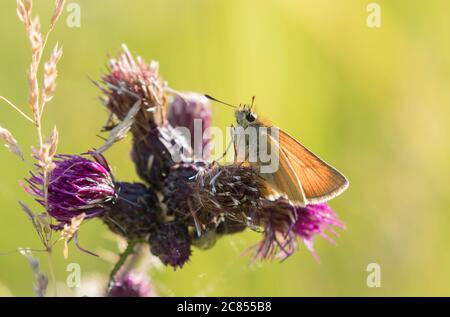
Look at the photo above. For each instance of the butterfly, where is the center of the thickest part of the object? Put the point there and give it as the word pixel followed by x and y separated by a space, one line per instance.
pixel 301 176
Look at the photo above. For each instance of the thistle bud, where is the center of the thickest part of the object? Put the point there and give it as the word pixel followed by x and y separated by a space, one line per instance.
pixel 171 243
pixel 135 212
pixel 130 285
pixel 193 112
pixel 178 188
pixel 157 152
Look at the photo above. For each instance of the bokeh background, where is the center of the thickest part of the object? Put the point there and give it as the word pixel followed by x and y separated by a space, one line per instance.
pixel 373 102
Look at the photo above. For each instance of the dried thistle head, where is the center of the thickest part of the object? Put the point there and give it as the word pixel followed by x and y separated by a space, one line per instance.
pixel 135 212
pixel 234 191
pixel 131 79
pixel 181 198
pixel 205 195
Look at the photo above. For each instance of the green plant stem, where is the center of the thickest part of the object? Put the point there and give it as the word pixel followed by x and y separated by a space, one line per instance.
pixel 123 257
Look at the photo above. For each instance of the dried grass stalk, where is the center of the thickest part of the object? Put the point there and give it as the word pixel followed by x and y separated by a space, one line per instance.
pixel 70 230
pixel 50 74
pixel 24 11
pixel 10 142
pixel 46 150
pixel 59 6
pixel 41 280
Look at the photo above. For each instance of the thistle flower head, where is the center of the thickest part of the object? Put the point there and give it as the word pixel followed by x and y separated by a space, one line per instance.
pixel 313 220
pixel 178 189
pixel 204 195
pixel 135 211
pixel 193 112
pixel 76 185
pixel 130 285
pixel 157 152
pixel 284 224
pixel 130 80
pixel 171 243
pixel 234 191
pixel 277 218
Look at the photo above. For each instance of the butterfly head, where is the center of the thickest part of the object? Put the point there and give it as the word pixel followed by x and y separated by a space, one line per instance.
pixel 245 116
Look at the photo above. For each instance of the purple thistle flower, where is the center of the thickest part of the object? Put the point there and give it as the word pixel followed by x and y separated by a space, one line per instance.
pixel 76 185
pixel 193 111
pixel 315 220
pixel 130 285
pixel 284 223
pixel 277 218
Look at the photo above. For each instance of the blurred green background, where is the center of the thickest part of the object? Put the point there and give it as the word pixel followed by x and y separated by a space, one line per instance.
pixel 372 102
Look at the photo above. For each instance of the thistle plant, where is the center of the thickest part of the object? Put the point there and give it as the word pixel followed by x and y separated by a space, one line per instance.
pixel 184 201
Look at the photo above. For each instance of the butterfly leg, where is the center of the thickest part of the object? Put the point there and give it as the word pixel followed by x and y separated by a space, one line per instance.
pixel 228 146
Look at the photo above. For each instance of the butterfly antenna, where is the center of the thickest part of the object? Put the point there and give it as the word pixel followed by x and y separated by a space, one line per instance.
pixel 219 101
pixel 253 103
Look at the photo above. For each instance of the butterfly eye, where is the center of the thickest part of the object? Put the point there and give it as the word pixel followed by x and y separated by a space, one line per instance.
pixel 250 117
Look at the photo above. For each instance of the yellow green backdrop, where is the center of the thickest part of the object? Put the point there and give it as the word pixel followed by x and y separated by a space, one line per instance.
pixel 375 102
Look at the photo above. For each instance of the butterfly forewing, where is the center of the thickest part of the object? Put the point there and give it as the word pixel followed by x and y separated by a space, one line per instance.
pixel 285 180
pixel 320 181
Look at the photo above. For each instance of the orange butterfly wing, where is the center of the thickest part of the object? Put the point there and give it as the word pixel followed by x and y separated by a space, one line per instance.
pixel 320 181
pixel 285 180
